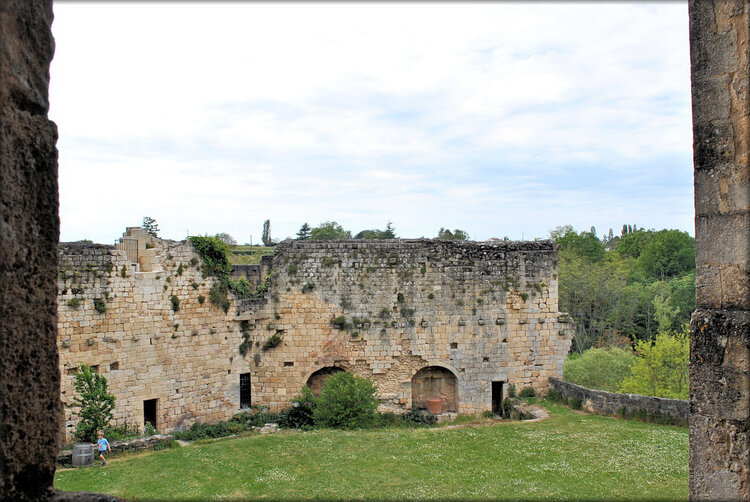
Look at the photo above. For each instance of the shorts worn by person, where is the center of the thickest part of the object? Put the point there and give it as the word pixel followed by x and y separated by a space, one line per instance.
pixel 103 445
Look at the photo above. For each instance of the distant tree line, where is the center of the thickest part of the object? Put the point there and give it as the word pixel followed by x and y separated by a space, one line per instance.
pixel 635 285
pixel 330 230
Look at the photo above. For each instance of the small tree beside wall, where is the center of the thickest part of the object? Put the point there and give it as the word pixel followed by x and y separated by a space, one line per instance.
pixel 95 404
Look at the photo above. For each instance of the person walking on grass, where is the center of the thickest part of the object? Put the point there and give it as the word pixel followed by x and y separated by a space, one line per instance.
pixel 103 445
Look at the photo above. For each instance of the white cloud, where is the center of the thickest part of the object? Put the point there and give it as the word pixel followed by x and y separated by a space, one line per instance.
pixel 215 117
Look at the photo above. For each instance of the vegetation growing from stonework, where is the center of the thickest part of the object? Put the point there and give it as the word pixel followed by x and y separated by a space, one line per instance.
pixel 94 403
pixel 214 253
pixel 273 341
pixel 100 305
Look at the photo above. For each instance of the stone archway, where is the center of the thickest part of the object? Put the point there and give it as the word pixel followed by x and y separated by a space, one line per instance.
pixel 435 381
pixel 317 379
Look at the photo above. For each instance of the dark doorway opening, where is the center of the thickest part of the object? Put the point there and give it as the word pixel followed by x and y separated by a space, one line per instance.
pixel 245 392
pixel 497 397
pixel 149 412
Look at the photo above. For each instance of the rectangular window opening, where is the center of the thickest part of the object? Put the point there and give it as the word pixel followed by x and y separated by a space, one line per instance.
pixel 288 363
pixel 114 366
pixel 245 393
pixel 454 345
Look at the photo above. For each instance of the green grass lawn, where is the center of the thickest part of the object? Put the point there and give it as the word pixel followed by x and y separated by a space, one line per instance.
pixel 245 255
pixel 568 456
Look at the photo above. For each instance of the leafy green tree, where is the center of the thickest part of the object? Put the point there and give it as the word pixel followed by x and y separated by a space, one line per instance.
pixel 669 253
pixel 304 232
pixel 661 367
pixel 226 238
pixel 94 403
pixel 301 414
pixel 368 234
pixel 457 235
pixel 388 233
pixel 595 294
pixel 329 230
pixel 346 402
pixel 585 244
pixel 267 241
pixel 631 244
pixel 150 226
pixel 599 368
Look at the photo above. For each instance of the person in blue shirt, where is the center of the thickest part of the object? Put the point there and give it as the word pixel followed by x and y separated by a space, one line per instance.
pixel 103 446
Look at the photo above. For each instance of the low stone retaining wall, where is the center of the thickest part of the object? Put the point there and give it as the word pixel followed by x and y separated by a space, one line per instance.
pixel 145 443
pixel 610 403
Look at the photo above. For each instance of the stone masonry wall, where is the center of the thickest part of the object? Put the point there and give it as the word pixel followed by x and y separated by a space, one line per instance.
pixel 186 359
pixel 611 403
pixel 483 312
pixel 720 327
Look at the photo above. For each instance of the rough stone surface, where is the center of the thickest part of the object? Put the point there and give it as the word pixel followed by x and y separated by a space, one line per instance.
pixel 29 230
pixel 720 348
pixel 610 403
pixel 421 318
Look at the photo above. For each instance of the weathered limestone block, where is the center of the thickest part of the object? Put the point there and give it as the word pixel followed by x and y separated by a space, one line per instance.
pixel 719 348
pixel 29 230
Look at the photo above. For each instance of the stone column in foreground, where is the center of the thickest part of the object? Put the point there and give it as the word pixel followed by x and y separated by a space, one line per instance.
pixel 29 231
pixel 720 328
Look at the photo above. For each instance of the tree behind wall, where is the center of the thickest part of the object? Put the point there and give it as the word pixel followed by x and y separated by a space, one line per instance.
pixel 304 232
pixel 226 238
pixel 150 226
pixel 94 402
pixel 267 241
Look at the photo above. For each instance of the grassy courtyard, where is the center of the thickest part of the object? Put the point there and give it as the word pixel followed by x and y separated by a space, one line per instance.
pixel 568 456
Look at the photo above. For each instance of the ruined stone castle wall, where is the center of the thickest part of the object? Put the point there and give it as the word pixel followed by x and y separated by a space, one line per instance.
pixel 485 312
pixel 145 348
pixel 464 314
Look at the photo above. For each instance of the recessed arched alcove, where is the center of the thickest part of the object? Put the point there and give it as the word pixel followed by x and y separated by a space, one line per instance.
pixel 435 381
pixel 318 378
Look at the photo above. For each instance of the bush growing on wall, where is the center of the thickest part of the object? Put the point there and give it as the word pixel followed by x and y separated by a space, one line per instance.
pixel 346 402
pixel 602 369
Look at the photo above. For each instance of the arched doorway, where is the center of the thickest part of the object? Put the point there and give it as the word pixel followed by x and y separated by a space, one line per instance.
pixel 434 381
pixel 316 380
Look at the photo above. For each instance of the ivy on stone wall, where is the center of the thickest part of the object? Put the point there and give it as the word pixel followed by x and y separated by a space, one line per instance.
pixel 215 255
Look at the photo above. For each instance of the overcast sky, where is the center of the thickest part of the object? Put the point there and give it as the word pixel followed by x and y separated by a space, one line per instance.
pixel 502 119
